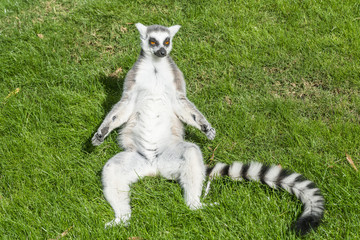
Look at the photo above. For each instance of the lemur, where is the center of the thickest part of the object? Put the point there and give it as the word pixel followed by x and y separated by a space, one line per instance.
pixel 152 108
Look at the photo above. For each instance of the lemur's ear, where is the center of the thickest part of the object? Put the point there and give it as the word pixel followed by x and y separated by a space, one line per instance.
pixel 174 29
pixel 142 30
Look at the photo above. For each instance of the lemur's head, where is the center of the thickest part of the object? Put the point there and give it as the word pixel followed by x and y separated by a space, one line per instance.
pixel 155 39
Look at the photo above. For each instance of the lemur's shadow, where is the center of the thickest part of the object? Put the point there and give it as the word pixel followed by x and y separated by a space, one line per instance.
pixel 113 87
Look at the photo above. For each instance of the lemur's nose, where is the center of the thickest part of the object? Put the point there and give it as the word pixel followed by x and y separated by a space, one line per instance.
pixel 161 52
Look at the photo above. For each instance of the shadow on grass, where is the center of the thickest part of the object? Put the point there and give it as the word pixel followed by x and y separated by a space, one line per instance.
pixel 190 136
pixel 113 88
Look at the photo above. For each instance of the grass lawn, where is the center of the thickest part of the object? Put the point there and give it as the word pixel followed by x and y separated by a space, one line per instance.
pixel 279 80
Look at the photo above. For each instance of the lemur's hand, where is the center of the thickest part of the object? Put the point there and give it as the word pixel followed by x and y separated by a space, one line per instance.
pixel 209 131
pixel 210 134
pixel 99 137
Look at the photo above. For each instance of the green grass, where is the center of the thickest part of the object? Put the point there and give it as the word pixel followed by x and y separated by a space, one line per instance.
pixel 279 80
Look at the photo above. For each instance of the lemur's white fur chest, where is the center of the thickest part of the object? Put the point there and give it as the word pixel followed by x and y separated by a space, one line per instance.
pixel 153 109
pixel 155 77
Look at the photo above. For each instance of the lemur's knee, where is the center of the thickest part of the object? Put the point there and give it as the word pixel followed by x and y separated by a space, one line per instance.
pixel 192 151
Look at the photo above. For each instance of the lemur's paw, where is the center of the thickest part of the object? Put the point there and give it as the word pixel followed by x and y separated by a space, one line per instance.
pixel 210 133
pixel 202 205
pixel 196 206
pixel 97 139
pixel 99 136
pixel 123 220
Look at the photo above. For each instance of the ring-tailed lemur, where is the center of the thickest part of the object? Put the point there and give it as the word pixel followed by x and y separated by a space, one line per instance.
pixel 152 107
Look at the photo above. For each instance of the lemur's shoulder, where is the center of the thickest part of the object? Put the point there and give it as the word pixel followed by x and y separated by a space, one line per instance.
pixel 179 80
pixel 130 79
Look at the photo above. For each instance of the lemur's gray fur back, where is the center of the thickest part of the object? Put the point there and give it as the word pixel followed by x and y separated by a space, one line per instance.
pixel 151 111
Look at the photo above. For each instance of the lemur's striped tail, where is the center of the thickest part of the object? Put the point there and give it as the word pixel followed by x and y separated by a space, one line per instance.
pixel 275 176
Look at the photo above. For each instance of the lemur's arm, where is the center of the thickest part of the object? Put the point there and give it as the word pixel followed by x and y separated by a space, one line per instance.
pixel 118 115
pixel 186 110
pixel 188 113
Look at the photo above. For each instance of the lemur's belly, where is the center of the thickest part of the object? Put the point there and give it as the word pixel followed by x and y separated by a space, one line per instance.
pixel 152 131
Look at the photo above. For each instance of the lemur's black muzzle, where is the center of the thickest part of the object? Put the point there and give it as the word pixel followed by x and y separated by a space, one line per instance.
pixel 161 52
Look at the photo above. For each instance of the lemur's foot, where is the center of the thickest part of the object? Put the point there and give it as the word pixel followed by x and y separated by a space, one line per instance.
pixel 196 205
pixel 202 205
pixel 123 220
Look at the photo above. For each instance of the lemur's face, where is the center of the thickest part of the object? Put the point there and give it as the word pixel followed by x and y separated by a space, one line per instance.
pixel 159 44
pixel 157 40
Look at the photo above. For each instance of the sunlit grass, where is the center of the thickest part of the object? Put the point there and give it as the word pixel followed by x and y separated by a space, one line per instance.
pixel 279 81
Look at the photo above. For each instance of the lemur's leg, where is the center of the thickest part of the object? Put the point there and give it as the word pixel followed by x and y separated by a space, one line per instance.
pixel 188 113
pixel 118 115
pixel 118 174
pixel 184 163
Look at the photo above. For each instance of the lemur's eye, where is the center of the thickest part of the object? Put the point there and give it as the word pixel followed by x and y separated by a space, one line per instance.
pixel 167 43
pixel 153 42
